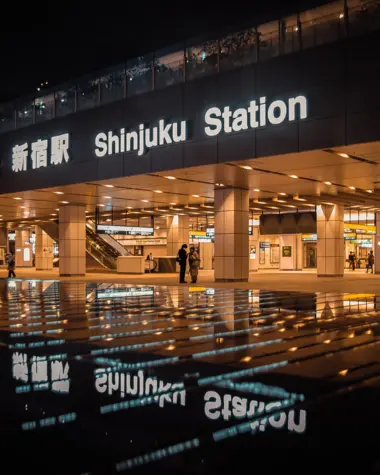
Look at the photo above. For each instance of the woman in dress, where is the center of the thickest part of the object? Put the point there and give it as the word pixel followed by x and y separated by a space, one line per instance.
pixel 194 262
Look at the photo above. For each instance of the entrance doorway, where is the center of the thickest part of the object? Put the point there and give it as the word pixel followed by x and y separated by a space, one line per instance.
pixel 310 255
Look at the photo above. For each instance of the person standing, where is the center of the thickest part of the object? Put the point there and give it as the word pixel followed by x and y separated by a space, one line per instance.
pixel 194 262
pixel 371 262
pixel 11 266
pixel 181 259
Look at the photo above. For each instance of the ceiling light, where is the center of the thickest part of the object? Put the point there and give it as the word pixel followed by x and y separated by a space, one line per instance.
pixel 341 15
pixel 282 194
pixel 173 204
pixel 256 190
pixel 157 191
pixel 64 202
pixel 17 198
pixel 157 227
pixel 101 205
pixel 327 183
pixel 219 184
pixel 144 201
pixel 171 177
pixel 293 176
pixel 352 188
pixel 53 214
pixel 344 155
pixel 109 186
pixel 369 191
pixel 290 206
pixel 57 209
pixel 108 220
pixel 195 196
pixel 246 167
pixel 108 197
pixel 59 192
pixel 308 204
pixel 297 198
pixel 22 207
pixel 129 207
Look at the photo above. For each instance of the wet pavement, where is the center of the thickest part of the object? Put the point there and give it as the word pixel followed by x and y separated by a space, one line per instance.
pixel 109 378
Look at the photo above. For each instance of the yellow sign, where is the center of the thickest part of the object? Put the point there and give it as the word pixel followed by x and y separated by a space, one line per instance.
pixel 359 228
pixel 197 233
pixel 358 296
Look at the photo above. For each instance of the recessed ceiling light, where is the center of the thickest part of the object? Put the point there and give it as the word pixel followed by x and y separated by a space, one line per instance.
pixel 256 190
pixel 219 184
pixel 109 186
pixel 171 177
pixel 246 167
pixel 173 204
pixel 195 196
pixel 293 176
pixel 344 155
pixel 108 220
pixel 129 207
pixel 108 197
pixel 369 191
pixel 22 207
pixel 101 205
pixel 297 198
pixel 157 191
pixel 59 192
pixel 282 194
pixel 352 188
pixel 157 227
pixel 53 214
pixel 308 204
pixel 64 202
pixel 17 198
pixel 57 209
pixel 144 201
pixel 327 182
pixel 341 15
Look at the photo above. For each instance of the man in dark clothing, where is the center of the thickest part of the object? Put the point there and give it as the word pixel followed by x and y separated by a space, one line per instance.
pixel 181 259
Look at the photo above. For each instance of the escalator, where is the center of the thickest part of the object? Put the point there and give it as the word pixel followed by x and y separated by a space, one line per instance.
pixel 100 254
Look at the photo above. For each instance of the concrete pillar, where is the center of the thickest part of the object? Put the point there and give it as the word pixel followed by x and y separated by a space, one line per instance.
pixel 376 247
pixel 254 239
pixel 178 233
pixel 72 240
pixel 330 244
pixel 44 250
pixel 231 235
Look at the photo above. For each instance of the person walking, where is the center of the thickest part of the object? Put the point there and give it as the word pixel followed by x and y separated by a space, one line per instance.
pixel 194 262
pixel 371 262
pixel 181 259
pixel 11 266
pixel 351 260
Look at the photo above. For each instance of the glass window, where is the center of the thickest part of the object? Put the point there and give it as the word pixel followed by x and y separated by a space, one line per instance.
pixel 65 101
pixel 88 93
pixel 7 117
pixel 289 32
pixel 112 85
pixel 322 25
pixel 268 36
pixel 238 49
pixel 139 75
pixel 44 107
pixel 24 114
pixel 202 59
pixel 363 15
pixel 169 66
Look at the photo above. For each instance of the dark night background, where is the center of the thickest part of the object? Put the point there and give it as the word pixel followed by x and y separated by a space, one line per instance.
pixel 58 42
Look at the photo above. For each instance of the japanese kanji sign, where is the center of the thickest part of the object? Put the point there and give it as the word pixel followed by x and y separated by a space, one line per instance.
pixel 40 154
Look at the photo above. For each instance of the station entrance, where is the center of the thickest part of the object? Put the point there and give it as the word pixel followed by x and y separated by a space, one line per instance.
pixel 241 219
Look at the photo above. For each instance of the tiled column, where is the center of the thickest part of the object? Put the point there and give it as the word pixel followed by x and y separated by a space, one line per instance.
pixel 330 244
pixel 178 233
pixel 44 250
pixel 231 235
pixel 72 240
pixel 376 247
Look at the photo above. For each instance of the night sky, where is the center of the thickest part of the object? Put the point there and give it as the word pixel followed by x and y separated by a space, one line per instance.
pixel 64 43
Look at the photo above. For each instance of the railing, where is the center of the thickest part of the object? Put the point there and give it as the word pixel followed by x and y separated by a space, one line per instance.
pixel 103 259
pixel 161 69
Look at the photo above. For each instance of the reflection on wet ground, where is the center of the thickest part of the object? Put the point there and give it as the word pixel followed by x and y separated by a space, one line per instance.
pixel 111 379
